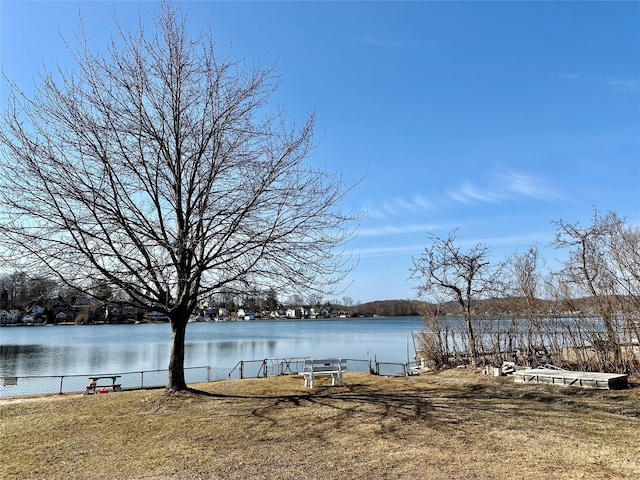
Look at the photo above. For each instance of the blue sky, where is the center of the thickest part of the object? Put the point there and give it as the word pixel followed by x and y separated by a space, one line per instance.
pixel 496 118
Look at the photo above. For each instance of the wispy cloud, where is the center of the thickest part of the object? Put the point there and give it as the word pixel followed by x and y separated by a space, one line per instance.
pixel 502 187
pixel 397 207
pixel 622 83
pixel 526 240
pixel 377 42
pixel 527 186
pixel 511 242
pixel 469 193
pixel 388 251
pixel 380 230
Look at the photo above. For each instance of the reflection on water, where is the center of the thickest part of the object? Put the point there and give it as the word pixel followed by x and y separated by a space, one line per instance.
pixel 84 349
pixel 29 356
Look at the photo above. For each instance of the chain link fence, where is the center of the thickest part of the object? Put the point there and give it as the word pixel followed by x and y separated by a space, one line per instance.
pixel 284 366
pixel 43 385
pixel 389 369
pixel 39 385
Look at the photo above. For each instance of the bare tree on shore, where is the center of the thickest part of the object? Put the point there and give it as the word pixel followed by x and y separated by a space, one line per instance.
pixel 603 264
pixel 524 292
pixel 160 170
pixel 583 314
pixel 447 271
pixel 587 269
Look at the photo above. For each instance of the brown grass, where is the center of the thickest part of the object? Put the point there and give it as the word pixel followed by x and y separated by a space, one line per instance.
pixel 454 424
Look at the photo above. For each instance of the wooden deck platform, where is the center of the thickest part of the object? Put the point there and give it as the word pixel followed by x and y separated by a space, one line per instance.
pixel 568 378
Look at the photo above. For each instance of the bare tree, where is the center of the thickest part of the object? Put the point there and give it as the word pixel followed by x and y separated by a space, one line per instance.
pixel 624 245
pixel 603 263
pixel 22 291
pixel 624 248
pixel 589 271
pixel 524 282
pixel 159 169
pixel 445 270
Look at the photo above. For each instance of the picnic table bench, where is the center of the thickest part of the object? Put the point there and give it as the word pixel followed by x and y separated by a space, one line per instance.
pixel 93 384
pixel 323 366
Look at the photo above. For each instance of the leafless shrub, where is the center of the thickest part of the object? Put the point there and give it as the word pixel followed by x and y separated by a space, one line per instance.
pixel 583 316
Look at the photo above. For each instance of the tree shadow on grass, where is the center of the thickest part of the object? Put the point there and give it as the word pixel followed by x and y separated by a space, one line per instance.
pixel 363 400
pixel 435 405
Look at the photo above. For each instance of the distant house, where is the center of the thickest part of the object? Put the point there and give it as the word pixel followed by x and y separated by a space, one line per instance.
pixel 246 314
pixel 158 317
pixel 81 302
pixel 113 313
pixel 321 312
pixel 63 317
pixel 57 302
pixel 299 312
pixel 37 310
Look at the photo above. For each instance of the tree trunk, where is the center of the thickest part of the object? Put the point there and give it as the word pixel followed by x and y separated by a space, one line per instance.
pixel 472 341
pixel 176 362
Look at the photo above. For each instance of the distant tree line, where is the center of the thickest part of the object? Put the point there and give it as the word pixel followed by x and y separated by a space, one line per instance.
pixel 388 308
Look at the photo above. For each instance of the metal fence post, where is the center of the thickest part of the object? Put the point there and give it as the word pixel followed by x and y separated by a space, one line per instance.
pixel 61 379
pixel 141 379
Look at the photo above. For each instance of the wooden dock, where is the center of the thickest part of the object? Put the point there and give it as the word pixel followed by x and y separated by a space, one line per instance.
pixel 568 378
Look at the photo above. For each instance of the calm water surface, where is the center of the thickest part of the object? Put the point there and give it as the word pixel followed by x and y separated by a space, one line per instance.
pixel 81 349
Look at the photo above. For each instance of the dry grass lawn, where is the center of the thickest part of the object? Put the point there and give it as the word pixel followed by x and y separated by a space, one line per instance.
pixel 451 425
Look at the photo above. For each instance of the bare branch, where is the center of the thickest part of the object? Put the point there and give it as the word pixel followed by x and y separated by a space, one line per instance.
pixel 161 170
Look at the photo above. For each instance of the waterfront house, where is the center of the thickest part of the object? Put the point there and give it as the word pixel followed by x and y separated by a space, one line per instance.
pixel 63 317
pixel 10 317
pixel 56 303
pixel 246 314
pixel 37 310
pixel 321 312
pixel 81 302
pixel 158 317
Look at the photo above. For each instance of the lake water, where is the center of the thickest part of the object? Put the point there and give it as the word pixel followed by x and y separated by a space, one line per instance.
pixel 82 349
